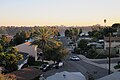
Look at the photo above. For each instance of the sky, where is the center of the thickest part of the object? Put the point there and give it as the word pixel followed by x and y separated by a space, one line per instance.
pixel 59 12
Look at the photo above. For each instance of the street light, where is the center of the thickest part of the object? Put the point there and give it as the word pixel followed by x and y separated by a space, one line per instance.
pixel 109 60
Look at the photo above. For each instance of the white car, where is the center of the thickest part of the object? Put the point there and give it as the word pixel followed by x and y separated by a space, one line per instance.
pixel 75 58
pixel 60 64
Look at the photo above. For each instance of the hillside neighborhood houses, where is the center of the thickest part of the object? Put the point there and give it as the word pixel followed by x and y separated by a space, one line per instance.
pixel 89 58
pixel 102 44
pixel 115 43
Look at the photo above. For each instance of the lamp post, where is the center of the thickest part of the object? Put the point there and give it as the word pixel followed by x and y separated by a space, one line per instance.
pixel 109 59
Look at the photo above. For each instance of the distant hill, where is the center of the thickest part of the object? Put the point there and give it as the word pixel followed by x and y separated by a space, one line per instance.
pixel 11 30
pixel 84 29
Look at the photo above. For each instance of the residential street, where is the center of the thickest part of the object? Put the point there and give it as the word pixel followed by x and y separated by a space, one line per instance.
pixel 78 66
pixel 105 61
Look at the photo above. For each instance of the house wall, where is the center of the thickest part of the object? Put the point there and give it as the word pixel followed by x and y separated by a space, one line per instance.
pixel 20 66
pixel 113 44
pixel 30 49
pixel 118 50
pixel 112 50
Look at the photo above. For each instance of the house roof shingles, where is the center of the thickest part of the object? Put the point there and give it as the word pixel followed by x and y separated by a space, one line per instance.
pixel 27 73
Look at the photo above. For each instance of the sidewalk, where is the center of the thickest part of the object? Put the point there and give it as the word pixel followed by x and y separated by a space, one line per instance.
pixel 104 59
pixel 105 66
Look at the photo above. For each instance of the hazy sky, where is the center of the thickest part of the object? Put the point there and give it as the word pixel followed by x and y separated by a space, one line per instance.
pixel 59 12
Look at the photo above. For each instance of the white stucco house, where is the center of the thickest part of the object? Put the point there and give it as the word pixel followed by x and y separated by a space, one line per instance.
pixel 115 43
pixel 31 50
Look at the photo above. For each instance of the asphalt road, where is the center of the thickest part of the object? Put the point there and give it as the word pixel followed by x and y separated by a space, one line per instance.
pixel 106 61
pixel 78 66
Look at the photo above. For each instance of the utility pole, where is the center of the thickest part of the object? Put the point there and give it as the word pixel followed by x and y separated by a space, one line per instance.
pixel 109 59
pixel 109 51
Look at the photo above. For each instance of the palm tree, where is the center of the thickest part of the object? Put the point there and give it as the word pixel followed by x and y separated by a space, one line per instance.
pixel 44 37
pixel 74 33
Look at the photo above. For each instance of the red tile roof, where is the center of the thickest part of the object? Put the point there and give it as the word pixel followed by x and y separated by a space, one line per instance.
pixel 28 43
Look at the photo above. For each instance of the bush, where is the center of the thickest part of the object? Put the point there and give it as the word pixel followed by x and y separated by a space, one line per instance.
pixel 25 66
pixel 7 77
pixel 91 54
pixel 36 63
pixel 31 59
pixel 10 68
pixel 32 62
pixel 118 62
pixel 117 66
pixel 77 50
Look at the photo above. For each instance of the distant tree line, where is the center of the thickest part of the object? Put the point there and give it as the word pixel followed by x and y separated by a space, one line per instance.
pixel 11 30
pixel 101 32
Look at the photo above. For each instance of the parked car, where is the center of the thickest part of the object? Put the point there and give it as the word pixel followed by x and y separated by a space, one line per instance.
pixel 58 65
pixel 42 66
pixel 45 67
pixel 75 58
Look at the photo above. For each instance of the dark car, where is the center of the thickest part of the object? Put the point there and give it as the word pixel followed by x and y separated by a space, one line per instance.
pixel 45 67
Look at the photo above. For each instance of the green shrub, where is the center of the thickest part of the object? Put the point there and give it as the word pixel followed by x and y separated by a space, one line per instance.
pixel 117 66
pixel 32 62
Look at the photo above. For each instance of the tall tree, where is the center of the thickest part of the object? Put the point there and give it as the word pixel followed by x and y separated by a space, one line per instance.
pixel 20 37
pixel 75 34
pixel 55 53
pixel 116 25
pixel 10 59
pixel 44 36
pixel 67 33
pixel 80 31
pixel 1 48
pixel 82 44
pixel 97 35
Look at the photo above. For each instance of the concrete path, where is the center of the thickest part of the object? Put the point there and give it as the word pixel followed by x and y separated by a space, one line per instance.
pixel 104 65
